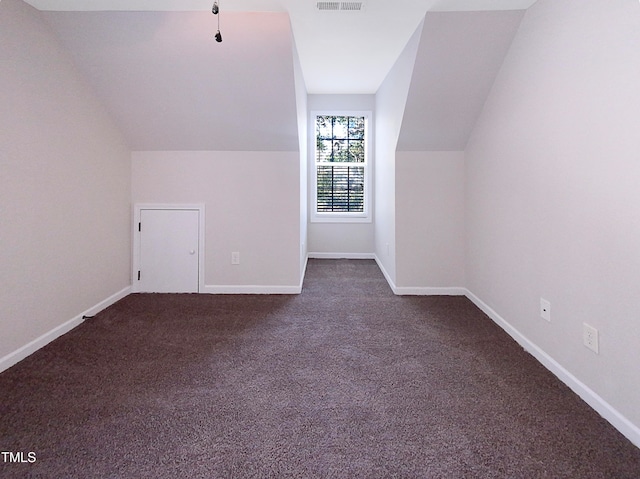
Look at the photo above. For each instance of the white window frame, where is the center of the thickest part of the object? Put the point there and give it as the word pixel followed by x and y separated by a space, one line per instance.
pixel 340 217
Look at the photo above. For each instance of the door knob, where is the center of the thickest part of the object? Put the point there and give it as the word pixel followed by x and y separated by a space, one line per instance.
pixel 192 251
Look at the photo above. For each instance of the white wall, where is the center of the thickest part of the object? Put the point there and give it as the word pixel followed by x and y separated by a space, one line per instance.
pixel 552 196
pixel 390 104
pixel 252 205
pixel 303 125
pixel 430 222
pixel 339 238
pixel 64 189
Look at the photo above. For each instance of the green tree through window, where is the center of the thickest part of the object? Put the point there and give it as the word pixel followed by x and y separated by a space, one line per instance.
pixel 340 164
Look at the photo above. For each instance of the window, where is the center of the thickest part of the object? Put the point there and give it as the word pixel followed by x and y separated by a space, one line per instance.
pixel 341 168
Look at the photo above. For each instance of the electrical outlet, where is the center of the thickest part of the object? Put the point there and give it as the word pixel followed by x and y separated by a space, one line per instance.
pixel 545 309
pixel 590 337
pixel 235 257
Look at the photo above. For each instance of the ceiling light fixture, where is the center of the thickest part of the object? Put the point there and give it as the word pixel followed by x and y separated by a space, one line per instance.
pixel 215 10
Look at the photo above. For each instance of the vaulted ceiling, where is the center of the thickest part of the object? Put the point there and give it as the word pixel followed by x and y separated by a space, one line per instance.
pixel 170 86
pixel 457 61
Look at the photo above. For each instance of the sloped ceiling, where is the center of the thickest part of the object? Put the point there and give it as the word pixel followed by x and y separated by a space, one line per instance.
pixel 458 59
pixel 169 86
pixel 343 51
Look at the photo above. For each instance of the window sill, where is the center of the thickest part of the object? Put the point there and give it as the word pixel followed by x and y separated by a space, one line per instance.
pixel 339 218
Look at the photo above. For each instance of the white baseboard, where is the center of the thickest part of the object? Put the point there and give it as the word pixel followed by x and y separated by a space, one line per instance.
pixel 304 271
pixel 251 289
pixel 257 289
pixel 435 291
pixel 615 418
pixel 13 358
pixel 419 290
pixel 387 276
pixel 342 256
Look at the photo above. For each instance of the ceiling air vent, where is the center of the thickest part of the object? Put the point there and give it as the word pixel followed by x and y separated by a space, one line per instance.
pixel 336 6
pixel 351 6
pixel 328 6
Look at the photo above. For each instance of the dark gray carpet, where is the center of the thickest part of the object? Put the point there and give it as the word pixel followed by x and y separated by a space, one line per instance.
pixel 345 380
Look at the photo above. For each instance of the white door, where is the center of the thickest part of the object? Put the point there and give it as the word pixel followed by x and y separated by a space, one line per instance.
pixel 169 251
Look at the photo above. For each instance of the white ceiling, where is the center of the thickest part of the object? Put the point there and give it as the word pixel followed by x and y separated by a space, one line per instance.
pixel 169 86
pixel 340 51
pixel 458 59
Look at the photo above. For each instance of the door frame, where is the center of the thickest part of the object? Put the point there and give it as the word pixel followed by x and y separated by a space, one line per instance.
pixel 137 208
